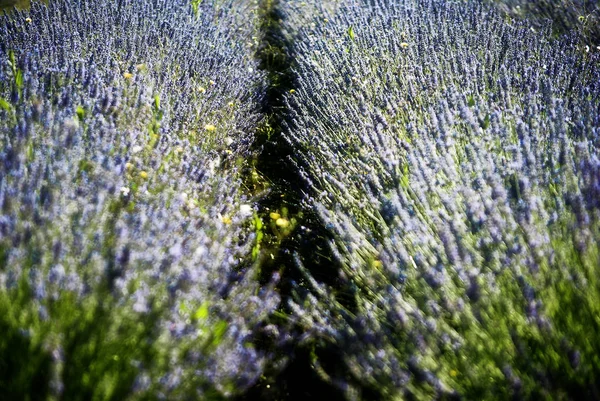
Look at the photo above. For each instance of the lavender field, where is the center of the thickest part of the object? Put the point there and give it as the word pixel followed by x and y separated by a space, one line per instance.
pixel 283 199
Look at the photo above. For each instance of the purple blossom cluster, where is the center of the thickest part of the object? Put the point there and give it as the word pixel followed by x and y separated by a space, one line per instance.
pixel 122 127
pixel 454 155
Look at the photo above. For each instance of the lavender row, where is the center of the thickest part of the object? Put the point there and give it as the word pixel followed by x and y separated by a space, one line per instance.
pixel 454 155
pixel 125 230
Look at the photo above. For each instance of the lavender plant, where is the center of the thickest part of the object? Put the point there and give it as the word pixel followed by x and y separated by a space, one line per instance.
pixel 125 230
pixel 567 15
pixel 454 155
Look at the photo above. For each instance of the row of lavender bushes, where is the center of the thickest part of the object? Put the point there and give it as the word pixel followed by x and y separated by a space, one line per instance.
pixel 454 155
pixel 566 15
pixel 125 228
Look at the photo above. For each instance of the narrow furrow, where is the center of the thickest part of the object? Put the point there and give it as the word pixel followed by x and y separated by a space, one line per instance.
pixel 291 229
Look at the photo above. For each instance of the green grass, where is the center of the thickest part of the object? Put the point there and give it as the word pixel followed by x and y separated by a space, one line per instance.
pixel 14 3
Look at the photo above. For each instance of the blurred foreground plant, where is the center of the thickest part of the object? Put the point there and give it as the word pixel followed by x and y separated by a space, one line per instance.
pixel 125 233
pixel 455 157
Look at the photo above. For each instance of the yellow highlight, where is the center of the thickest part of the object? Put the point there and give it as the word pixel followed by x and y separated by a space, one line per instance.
pixel 127 75
pixel 202 312
pixel 143 174
pixel 274 216
pixel 210 127
pixel 283 223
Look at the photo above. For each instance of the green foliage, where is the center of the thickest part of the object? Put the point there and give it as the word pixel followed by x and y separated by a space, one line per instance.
pixel 195 6
pixel 350 32
pixel 5 105
pixel 258 229
pixel 20 4
pixel 88 345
